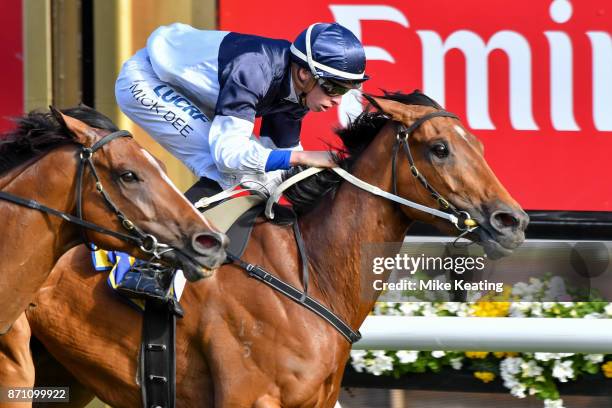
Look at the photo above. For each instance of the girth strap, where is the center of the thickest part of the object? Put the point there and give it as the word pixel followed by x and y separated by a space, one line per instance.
pixel 257 272
pixel 158 356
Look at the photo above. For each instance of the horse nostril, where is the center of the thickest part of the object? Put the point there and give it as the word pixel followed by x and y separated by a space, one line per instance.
pixel 507 220
pixel 209 241
pixel 502 220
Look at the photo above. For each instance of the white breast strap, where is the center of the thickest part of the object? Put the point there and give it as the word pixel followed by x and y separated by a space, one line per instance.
pixel 278 191
pixel 206 201
pixel 276 194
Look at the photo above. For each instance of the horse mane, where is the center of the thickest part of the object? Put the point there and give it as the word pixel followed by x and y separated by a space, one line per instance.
pixel 356 137
pixel 38 132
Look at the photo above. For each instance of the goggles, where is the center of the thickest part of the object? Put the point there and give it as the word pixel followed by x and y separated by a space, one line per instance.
pixel 334 89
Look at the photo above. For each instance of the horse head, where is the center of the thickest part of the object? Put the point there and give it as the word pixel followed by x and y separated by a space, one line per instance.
pixel 442 165
pixel 126 189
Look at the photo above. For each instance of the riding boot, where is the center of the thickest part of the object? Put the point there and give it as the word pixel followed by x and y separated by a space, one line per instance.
pixel 147 280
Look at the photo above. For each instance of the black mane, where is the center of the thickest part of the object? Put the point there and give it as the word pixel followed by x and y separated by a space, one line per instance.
pixel 356 137
pixel 38 132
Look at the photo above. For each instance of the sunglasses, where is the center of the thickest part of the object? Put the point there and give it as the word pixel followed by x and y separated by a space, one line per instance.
pixel 332 89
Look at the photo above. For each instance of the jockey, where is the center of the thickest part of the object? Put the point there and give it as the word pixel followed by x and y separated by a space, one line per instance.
pixel 198 93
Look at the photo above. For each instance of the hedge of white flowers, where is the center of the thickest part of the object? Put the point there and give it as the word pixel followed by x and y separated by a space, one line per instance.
pixel 522 373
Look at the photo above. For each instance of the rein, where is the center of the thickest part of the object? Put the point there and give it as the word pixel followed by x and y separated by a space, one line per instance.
pixel 455 216
pixel 146 242
pixel 460 219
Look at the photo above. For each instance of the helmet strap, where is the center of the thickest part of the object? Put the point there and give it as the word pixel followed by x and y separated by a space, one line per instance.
pixel 309 53
pixel 303 86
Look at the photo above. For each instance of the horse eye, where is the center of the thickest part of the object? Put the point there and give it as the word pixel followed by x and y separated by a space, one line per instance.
pixel 440 150
pixel 128 177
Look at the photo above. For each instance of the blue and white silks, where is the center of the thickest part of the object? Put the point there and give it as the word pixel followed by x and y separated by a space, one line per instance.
pixel 198 93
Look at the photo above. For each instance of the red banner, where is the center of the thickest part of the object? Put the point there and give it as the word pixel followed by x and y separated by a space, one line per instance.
pixel 532 79
pixel 11 68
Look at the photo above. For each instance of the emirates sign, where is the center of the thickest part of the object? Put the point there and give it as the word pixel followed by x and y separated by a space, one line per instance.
pixel 532 79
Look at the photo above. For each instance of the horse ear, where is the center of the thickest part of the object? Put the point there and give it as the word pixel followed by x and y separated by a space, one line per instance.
pixel 396 110
pixel 84 134
pixel 58 116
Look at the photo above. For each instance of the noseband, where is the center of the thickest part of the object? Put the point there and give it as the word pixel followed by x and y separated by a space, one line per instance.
pixel 146 242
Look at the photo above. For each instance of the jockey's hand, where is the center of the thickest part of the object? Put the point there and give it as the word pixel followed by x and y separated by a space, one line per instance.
pixel 312 159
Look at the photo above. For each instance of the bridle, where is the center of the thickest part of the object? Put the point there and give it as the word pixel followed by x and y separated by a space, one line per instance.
pixel 146 242
pixel 462 219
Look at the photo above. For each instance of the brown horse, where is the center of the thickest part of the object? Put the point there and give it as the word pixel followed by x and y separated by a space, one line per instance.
pixel 242 344
pixel 38 161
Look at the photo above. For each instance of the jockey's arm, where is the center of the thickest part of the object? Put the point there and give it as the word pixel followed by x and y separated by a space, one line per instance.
pixel 235 150
pixel 232 145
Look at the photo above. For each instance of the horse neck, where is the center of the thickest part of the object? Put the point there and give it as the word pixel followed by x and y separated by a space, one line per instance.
pixel 337 230
pixel 50 180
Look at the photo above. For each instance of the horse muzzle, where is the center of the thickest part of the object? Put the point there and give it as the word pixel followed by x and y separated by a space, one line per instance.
pixel 202 255
pixel 501 229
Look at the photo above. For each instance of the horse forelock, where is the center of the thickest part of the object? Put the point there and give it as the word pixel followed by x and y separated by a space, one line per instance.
pixel 355 137
pixel 39 132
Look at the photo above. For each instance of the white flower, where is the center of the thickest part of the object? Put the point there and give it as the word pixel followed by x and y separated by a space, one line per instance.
pixel 519 309
pixel 510 381
pixel 594 358
pixel 536 309
pixel 518 391
pixel 511 365
pixel 409 308
pixel 563 370
pixel 527 292
pixel 531 369
pixel 593 316
pixel 608 309
pixel 457 363
pixel 438 354
pixel 464 310
pixel 548 403
pixel 393 312
pixel 452 307
pixel 548 305
pixel 556 289
pixel 536 285
pixel 551 356
pixel 379 363
pixel 407 356
pixel 429 311
pixel 515 312
pixel 519 288
pixel 358 360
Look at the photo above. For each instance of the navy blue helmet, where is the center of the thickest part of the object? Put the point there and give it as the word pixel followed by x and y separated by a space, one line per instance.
pixel 330 51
